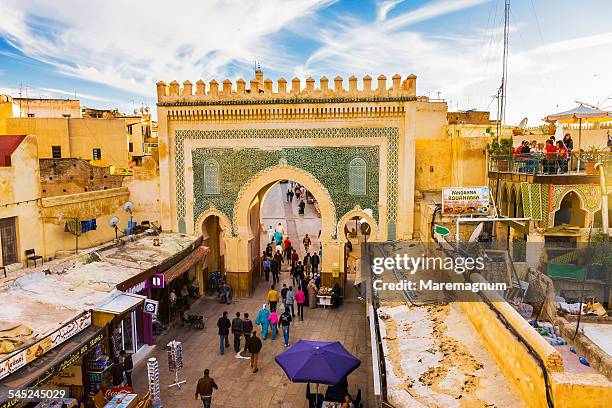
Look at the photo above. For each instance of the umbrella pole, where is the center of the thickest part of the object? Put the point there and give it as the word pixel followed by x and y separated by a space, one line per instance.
pixel 317 397
pixel 579 140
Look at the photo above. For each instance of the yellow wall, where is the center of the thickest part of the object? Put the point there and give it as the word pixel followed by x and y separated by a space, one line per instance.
pixel 46 108
pixel 18 184
pixel 572 390
pixel 77 137
pixel 143 185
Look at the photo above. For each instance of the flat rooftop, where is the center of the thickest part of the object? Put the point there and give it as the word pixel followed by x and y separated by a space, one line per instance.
pixel 45 301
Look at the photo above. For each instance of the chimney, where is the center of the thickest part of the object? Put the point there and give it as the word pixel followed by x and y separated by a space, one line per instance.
pixel 241 86
pixel 187 88
pixel 382 84
pixel 268 86
pixel 310 84
pixel 338 85
pixel 411 85
pixel 295 86
pixel 254 87
pixel 200 88
pixel 352 84
pixel 227 87
pixel 161 89
pixel 396 82
pixel 367 83
pixel 174 88
pixel 324 83
pixel 214 87
pixel 282 86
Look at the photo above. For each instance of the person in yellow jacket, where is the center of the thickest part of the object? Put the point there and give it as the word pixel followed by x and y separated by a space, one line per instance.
pixel 272 298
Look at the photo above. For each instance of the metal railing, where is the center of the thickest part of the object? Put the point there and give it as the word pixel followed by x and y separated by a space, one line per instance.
pixel 550 163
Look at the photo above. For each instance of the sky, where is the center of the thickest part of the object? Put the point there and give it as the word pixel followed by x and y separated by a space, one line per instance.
pixel 110 53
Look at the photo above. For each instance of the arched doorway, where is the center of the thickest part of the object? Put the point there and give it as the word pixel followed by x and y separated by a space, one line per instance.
pixel 248 233
pixel 214 226
pixel 570 211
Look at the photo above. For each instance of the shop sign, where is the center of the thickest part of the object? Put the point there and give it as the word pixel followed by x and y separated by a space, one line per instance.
pixel 20 359
pixel 53 371
pixel 157 281
pixel 150 306
pixel 110 392
pixel 465 201
pixel 139 287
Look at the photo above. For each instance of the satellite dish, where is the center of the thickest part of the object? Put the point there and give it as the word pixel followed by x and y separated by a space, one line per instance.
pixel 477 231
pixel 523 123
pixel 136 112
pixel 114 221
pixel 147 109
pixel 128 206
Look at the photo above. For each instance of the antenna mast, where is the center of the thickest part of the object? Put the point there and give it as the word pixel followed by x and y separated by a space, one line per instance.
pixel 501 101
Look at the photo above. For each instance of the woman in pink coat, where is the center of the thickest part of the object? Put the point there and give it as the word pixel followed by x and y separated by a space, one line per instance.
pixel 300 298
pixel 274 323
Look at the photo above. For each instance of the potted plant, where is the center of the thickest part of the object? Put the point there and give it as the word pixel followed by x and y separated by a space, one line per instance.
pixel 502 150
pixel 590 157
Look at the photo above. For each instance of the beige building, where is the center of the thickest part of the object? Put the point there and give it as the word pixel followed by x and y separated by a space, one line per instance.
pixel 46 108
pixel 362 151
pixel 103 142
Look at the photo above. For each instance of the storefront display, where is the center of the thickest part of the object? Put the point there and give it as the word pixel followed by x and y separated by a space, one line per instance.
pixel 175 361
pixel 154 382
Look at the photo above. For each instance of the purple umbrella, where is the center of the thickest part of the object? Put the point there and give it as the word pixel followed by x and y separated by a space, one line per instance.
pixel 321 362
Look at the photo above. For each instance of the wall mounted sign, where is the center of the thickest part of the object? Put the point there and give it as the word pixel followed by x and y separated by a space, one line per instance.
pixel 157 281
pixel 19 359
pixel 150 306
pixel 465 201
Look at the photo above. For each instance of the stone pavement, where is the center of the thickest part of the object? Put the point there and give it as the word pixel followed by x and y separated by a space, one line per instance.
pixel 238 386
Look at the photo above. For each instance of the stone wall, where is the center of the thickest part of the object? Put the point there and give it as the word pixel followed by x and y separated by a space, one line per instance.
pixel 71 176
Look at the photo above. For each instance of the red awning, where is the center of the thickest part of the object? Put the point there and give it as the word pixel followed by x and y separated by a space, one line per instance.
pixel 184 264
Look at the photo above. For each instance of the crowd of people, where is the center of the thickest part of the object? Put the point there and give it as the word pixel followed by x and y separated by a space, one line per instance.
pixel 554 155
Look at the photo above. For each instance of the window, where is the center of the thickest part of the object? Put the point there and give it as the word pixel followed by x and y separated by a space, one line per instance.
pixel 66 115
pixel 357 177
pixel 130 129
pixel 130 147
pixel 97 153
pixel 30 115
pixel 56 152
pixel 211 177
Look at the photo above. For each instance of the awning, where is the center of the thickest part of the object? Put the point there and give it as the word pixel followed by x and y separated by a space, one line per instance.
pixel 121 303
pixel 184 264
pixel 49 365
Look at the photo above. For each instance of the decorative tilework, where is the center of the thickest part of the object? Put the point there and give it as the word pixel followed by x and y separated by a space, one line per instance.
pixel 590 196
pixel 391 134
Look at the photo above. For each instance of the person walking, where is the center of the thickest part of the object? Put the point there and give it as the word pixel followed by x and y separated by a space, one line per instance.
pixel 314 262
pixel 302 207
pixel 128 366
pixel 280 229
pixel 306 241
pixel 266 265
pixel 278 238
pixel 275 266
pixel 270 234
pixel 288 248
pixel 247 328
pixel 263 320
pixel 294 257
pixel 283 292
pixel 204 389
pixel 312 294
pixel 300 298
pixel 272 298
pixel 224 325
pixel 291 194
pixel 290 300
pixel 307 263
pixel 285 321
pixel 274 323
pixel 237 331
pixel 288 195
pixel 254 346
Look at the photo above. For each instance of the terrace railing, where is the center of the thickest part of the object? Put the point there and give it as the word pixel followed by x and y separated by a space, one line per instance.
pixel 550 163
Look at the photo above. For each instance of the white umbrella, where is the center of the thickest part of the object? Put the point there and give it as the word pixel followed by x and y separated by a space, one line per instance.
pixel 579 115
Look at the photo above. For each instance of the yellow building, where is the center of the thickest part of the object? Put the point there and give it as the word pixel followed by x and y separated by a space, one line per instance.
pixel 361 151
pixel 46 108
pixel 101 141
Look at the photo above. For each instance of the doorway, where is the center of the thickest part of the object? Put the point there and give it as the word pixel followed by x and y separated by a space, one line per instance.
pixel 8 238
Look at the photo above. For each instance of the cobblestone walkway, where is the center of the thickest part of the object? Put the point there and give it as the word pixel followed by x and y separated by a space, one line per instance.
pixel 238 386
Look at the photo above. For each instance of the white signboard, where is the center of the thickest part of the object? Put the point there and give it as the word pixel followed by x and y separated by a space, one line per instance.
pixel 465 201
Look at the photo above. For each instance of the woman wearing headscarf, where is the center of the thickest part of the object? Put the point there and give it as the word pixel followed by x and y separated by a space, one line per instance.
pixel 263 320
pixel 312 294
pixel 336 295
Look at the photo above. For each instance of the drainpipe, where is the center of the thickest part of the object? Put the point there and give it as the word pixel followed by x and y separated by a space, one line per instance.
pixel 604 197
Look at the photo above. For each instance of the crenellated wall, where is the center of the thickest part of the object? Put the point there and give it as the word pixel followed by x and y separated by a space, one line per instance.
pixel 263 90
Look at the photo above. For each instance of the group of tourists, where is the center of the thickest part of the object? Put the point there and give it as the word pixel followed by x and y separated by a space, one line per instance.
pixel 554 155
pixel 299 192
pixel 239 327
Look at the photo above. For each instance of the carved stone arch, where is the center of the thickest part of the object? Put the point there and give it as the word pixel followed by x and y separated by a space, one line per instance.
pixel 224 221
pixel 358 212
pixel 504 200
pixel 557 206
pixel 276 173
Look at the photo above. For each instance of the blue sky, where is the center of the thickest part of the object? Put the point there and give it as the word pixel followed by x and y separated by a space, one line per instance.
pixel 111 53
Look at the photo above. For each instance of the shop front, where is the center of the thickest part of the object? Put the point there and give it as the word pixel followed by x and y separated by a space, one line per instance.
pixel 121 316
pixel 60 371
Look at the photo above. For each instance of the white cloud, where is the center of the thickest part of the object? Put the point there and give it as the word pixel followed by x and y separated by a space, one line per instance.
pixel 135 44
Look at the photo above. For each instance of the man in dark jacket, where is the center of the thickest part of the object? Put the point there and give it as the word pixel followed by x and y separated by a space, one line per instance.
pixel 315 260
pixel 128 366
pixel 237 331
pixel 247 328
pixel 254 346
pixel 224 325
pixel 117 372
pixel 204 389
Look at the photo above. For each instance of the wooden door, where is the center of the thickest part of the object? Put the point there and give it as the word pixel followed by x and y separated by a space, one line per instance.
pixel 8 238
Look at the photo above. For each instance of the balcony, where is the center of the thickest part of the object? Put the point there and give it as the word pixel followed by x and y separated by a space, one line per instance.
pixel 549 168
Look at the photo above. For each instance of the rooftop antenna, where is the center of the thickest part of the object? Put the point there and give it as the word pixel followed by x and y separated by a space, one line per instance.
pixel 501 101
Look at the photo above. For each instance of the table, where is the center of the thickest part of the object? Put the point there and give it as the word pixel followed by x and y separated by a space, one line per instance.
pixel 331 404
pixel 122 400
pixel 323 300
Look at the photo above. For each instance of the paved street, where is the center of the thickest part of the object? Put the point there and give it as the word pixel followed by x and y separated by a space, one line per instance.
pixel 238 386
